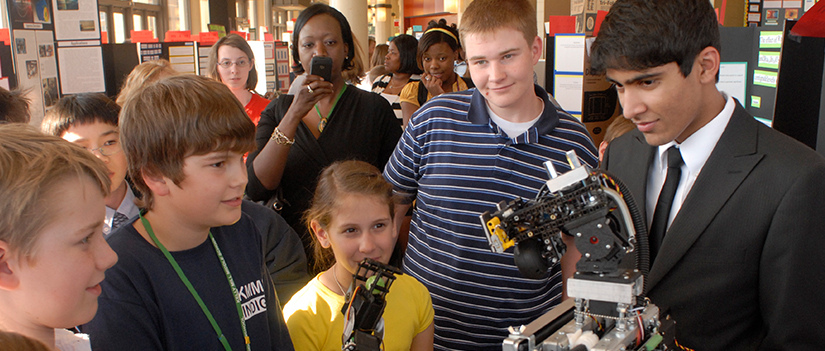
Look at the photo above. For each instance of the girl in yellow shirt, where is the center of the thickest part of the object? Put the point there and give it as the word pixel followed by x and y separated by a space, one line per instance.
pixel 351 218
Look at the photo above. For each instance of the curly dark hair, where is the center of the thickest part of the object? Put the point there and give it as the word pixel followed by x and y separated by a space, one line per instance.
pixel 432 37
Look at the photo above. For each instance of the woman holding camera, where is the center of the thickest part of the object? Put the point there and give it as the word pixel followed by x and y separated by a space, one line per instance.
pixel 327 121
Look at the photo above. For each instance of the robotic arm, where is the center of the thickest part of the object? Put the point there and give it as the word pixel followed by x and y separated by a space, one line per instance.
pixel 365 303
pixel 607 309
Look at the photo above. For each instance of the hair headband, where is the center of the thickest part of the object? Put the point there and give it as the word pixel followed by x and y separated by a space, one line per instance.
pixel 443 31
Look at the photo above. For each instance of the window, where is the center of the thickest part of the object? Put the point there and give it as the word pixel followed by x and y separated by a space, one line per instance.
pixel 120 28
pixel 178 14
pixel 104 24
pixel 120 17
pixel 137 21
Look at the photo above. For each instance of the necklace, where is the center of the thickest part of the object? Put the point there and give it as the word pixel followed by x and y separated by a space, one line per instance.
pixel 323 123
pixel 335 276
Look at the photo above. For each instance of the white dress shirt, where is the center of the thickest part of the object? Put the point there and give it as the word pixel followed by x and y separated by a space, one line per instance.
pixel 127 207
pixel 695 152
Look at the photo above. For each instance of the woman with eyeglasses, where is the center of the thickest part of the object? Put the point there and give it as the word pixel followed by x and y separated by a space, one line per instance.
pixel 231 61
pixel 326 121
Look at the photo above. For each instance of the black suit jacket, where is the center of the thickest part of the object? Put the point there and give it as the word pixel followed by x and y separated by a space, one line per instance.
pixel 741 267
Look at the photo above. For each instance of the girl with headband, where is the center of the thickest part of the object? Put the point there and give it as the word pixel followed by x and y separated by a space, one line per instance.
pixel 438 50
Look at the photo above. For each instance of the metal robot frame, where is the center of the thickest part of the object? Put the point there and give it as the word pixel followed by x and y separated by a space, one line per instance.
pixel 607 309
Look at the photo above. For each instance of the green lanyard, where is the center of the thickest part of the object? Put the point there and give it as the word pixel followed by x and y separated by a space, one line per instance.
pixel 194 293
pixel 323 123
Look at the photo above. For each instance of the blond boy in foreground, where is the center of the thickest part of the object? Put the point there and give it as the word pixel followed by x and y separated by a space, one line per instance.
pixel 52 251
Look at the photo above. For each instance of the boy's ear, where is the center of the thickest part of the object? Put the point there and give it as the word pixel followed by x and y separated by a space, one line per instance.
pixel 709 61
pixel 156 183
pixel 602 149
pixel 535 49
pixel 8 265
pixel 320 234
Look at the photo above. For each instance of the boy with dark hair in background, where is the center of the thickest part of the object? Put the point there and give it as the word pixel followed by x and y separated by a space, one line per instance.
pixel 191 274
pixel 733 206
pixel 91 121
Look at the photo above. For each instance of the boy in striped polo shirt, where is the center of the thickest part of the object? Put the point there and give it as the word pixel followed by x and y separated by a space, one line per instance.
pixel 464 152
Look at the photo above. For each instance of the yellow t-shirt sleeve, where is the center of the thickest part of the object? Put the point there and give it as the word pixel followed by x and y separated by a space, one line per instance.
pixel 304 335
pixel 309 318
pixel 410 93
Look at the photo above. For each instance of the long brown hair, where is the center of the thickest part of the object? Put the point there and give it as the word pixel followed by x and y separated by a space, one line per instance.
pixel 239 43
pixel 338 179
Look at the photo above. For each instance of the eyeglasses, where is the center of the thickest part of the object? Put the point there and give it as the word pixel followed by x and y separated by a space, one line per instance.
pixel 240 63
pixel 108 149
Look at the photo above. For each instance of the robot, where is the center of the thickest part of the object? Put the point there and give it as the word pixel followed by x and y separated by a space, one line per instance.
pixel 607 309
pixel 365 303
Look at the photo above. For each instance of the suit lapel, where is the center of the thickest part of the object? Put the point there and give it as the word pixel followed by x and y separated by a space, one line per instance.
pixel 631 165
pixel 638 162
pixel 729 164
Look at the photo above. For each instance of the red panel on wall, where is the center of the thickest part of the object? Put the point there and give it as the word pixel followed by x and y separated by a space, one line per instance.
pixel 422 7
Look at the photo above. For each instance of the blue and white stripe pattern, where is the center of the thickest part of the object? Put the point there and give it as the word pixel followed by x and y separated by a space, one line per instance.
pixel 458 164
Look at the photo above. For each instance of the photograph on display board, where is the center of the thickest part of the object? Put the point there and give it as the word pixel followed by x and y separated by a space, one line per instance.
pixel 20 45
pixel 791 14
pixel 771 14
pixel 29 14
pixel 47 50
pixel 87 26
pixel 63 5
pixel 21 11
pixel 41 11
pixel 50 96
pixel 31 68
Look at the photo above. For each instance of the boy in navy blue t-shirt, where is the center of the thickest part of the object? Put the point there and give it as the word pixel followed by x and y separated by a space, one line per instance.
pixel 191 273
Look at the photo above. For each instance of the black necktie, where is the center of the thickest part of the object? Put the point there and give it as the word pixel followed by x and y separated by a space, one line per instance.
pixel 662 212
pixel 118 221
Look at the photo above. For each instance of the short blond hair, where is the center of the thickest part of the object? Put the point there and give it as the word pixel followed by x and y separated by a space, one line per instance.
pixel 178 117
pixel 142 75
pixel 487 16
pixel 31 165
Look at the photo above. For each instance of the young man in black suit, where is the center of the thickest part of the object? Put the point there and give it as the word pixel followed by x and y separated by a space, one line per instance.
pixel 738 243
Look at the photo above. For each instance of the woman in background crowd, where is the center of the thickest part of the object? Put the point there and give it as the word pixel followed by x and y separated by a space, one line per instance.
pixel 377 68
pixel 324 122
pixel 401 63
pixel 438 50
pixel 232 62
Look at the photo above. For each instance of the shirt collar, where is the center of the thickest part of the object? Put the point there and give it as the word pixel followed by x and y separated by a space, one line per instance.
pixel 127 205
pixel 546 123
pixel 697 148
